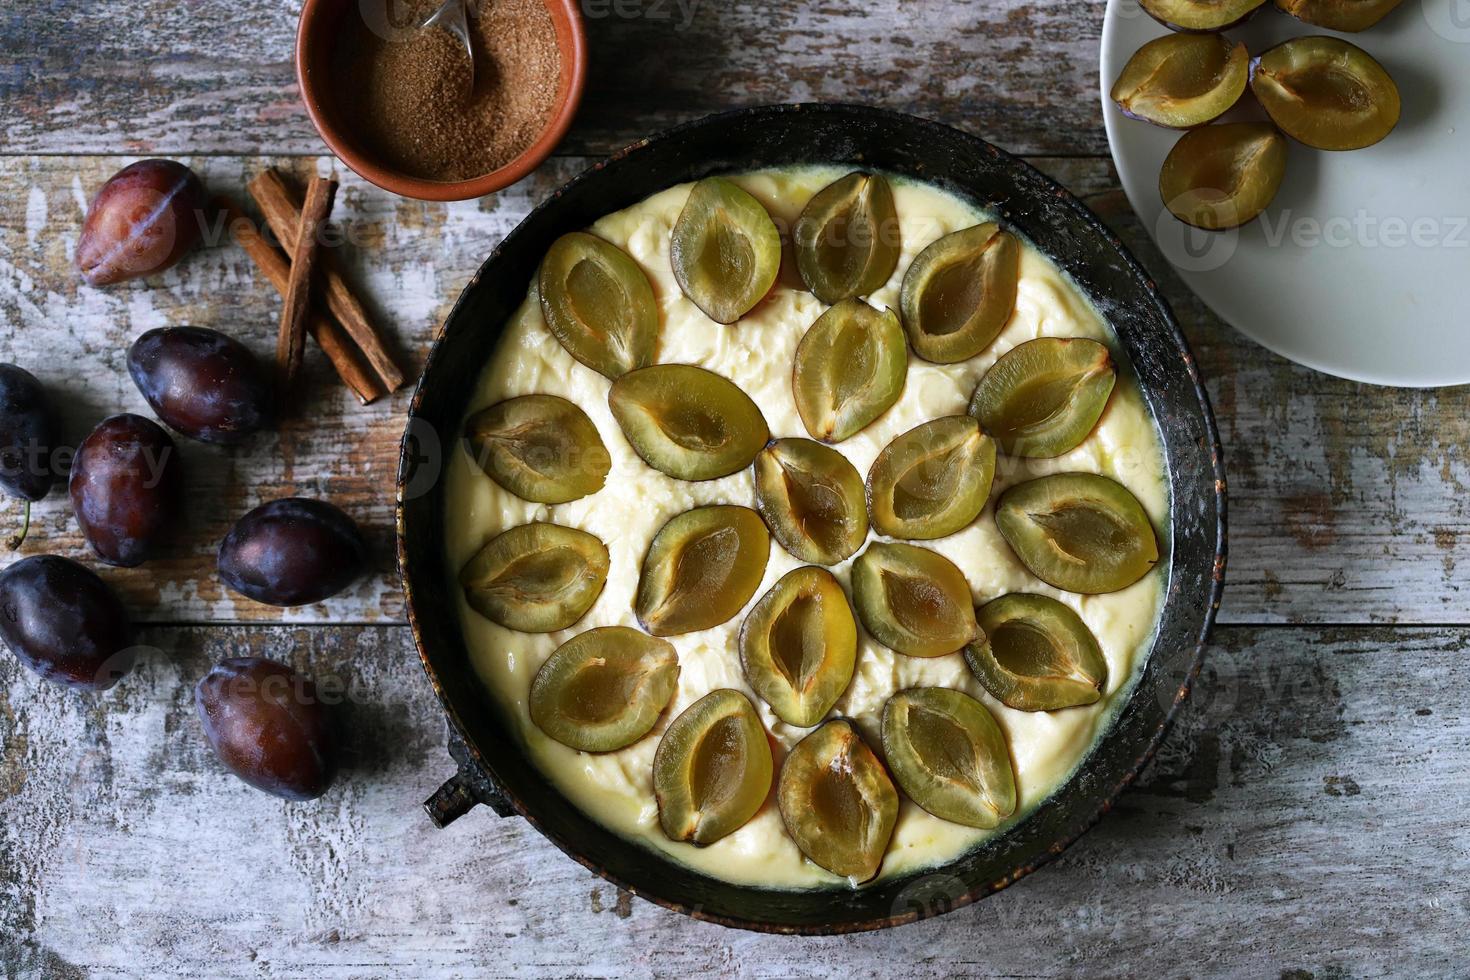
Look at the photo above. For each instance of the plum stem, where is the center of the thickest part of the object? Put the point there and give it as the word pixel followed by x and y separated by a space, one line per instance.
pixel 25 528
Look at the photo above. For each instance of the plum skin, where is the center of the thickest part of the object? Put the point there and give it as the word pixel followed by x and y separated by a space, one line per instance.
pixel 292 552
pixel 27 435
pixel 268 726
pixel 146 218
pixel 1366 70
pixel 201 383
pixel 126 489
pixel 64 623
pixel 1162 17
pixel 1178 160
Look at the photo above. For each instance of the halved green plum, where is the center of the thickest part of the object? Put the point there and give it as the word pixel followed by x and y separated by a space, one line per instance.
pixel 949 755
pixel 1035 654
pixel 688 422
pixel 847 238
pixel 1194 16
pixel 912 600
pixel 599 303
pixel 799 644
pixel 960 293
pixel 838 802
pixel 536 578
pixel 604 689
pixel 539 447
pixel 812 500
pixel 1079 532
pixel 1043 398
pixel 1223 176
pixel 932 480
pixel 712 770
pixel 726 250
pixel 1348 16
pixel 701 569
pixel 850 369
pixel 1183 80
pixel 1326 93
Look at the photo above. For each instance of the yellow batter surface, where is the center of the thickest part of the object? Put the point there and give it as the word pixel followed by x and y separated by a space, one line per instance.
pixel 756 353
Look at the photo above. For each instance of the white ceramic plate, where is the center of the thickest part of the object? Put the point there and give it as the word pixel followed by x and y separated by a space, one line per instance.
pixel 1361 267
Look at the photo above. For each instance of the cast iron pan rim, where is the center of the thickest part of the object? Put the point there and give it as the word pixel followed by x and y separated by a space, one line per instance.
pixel 1216 587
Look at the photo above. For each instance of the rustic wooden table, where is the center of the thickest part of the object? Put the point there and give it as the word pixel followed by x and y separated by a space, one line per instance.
pixel 1306 817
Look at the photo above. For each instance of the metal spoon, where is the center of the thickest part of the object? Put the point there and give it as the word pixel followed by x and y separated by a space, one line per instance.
pixel 452 17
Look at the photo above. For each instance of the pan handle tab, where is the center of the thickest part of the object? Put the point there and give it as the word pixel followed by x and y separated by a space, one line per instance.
pixel 465 790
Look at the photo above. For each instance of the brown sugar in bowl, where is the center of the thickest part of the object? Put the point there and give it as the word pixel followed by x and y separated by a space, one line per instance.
pixel 317 36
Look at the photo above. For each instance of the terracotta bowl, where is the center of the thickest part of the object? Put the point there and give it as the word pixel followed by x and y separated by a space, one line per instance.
pixel 316 38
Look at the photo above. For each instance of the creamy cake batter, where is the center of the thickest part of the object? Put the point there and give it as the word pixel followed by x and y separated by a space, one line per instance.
pixel 756 353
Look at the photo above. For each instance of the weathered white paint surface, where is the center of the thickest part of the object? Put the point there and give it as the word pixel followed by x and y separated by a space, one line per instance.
pixel 1307 819
pixel 1307 815
pixel 161 77
pixel 1348 503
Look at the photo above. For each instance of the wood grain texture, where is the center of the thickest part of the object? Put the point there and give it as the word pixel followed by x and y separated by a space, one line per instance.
pixel 409 260
pixel 1306 815
pixel 1348 503
pixel 215 77
pixel 1305 819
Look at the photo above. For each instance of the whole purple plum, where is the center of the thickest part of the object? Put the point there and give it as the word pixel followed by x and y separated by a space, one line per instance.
pixel 292 552
pixel 269 726
pixel 125 488
pixel 142 221
pixel 202 383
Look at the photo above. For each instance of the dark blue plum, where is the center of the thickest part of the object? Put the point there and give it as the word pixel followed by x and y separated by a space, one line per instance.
pixel 292 552
pixel 126 489
pixel 63 622
pixel 201 383
pixel 27 437
pixel 269 726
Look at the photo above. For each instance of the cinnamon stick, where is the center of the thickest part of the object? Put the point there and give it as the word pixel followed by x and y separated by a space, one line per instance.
pixel 273 264
pixel 291 342
pixel 282 212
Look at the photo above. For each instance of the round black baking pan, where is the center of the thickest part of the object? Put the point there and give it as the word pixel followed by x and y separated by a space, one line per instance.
pixel 492 769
